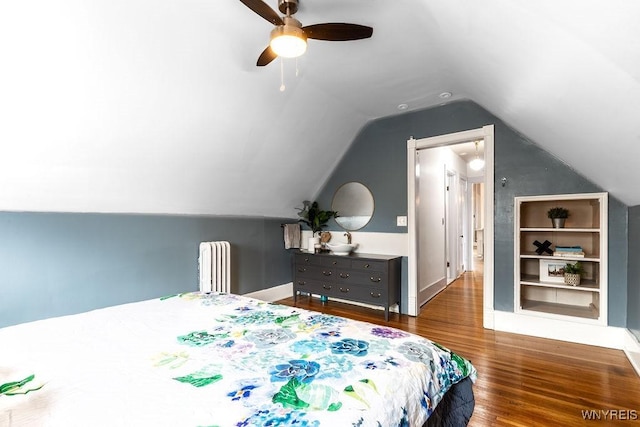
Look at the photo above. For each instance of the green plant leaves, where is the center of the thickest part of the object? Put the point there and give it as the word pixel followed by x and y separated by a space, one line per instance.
pixel 15 387
pixel 315 218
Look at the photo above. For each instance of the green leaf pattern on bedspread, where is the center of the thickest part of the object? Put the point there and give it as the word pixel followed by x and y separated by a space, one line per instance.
pixel 290 367
pixel 19 387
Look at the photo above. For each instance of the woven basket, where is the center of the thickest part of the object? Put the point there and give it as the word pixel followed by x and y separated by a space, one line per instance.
pixel 571 279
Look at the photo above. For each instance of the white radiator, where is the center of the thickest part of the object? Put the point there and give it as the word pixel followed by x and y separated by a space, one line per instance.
pixel 214 265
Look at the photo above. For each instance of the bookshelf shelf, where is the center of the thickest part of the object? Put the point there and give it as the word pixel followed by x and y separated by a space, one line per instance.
pixel 539 284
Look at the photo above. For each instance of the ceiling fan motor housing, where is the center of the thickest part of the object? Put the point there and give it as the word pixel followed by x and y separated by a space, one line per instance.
pixel 291 5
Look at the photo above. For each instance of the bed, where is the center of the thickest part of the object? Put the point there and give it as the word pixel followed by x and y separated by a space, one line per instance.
pixel 214 359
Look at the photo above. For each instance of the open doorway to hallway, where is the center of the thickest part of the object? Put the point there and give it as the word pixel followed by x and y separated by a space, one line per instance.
pixel 418 289
pixel 449 214
pixel 476 195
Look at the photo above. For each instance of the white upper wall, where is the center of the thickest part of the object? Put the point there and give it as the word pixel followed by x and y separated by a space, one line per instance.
pixel 157 106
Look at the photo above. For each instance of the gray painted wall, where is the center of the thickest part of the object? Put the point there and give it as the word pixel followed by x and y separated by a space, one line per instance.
pixel 633 301
pixel 54 264
pixel 377 158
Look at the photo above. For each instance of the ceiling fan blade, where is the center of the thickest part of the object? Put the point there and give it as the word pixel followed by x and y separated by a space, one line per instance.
pixel 266 57
pixel 262 9
pixel 337 31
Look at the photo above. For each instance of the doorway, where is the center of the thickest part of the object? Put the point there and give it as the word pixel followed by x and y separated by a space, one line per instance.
pixel 415 199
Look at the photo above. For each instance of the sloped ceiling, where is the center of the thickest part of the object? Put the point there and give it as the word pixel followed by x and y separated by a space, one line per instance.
pixel 157 106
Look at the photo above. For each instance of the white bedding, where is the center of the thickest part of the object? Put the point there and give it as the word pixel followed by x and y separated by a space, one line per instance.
pixel 219 360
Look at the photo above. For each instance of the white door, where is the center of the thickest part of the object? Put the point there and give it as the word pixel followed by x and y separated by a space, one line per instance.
pixel 451 227
pixel 430 199
pixel 463 226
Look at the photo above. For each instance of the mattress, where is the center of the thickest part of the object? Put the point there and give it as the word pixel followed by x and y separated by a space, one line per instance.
pixel 214 359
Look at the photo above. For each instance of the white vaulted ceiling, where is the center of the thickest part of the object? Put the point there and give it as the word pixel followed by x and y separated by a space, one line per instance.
pixel 158 107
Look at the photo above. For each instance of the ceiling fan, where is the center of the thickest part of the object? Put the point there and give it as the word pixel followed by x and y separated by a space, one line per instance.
pixel 289 37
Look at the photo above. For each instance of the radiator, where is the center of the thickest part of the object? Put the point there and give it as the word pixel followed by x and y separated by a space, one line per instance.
pixel 214 265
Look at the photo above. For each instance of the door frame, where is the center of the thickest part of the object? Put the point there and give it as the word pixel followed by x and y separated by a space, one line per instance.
pixel 487 134
pixel 451 225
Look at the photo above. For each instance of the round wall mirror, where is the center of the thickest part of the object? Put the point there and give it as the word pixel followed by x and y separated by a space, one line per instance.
pixel 354 203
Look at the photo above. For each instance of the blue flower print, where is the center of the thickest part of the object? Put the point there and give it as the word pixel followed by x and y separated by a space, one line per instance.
pixel 263 338
pixel 308 346
pixel 303 370
pixel 324 320
pixel 374 365
pixel 328 334
pixel 334 366
pixel 350 346
pixel 242 392
pixel 416 352
pixel 280 417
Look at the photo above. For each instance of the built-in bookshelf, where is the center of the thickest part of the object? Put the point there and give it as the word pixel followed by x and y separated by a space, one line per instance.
pixel 542 253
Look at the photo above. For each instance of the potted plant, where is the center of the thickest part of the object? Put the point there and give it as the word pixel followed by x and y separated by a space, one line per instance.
pixel 558 216
pixel 315 218
pixel 572 273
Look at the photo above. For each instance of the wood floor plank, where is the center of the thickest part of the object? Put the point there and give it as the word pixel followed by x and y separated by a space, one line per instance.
pixel 522 381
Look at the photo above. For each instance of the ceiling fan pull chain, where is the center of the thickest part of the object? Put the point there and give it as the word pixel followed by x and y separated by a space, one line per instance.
pixel 297 71
pixel 282 86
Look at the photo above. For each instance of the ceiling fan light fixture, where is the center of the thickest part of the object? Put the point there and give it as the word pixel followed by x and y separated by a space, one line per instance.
pixel 288 40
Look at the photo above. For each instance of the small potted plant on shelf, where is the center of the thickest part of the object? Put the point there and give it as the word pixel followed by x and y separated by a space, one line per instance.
pixel 315 218
pixel 558 216
pixel 572 273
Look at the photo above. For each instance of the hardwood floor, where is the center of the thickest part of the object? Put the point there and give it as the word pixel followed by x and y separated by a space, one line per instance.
pixel 522 380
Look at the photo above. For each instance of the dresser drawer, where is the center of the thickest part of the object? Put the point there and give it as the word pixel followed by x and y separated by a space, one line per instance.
pixel 337 262
pixel 307 270
pixel 369 278
pixel 315 287
pixel 307 259
pixel 315 272
pixel 368 265
pixel 365 294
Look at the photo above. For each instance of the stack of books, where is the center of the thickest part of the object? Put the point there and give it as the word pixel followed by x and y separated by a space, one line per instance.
pixel 569 251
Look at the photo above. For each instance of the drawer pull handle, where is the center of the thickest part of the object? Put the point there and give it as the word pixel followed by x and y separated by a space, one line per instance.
pixel 344 275
pixel 301 282
pixel 306 259
pixel 326 287
pixel 302 269
pixel 376 279
pixel 366 266
pixel 327 273
pixel 334 262
pixel 374 295
pixel 345 290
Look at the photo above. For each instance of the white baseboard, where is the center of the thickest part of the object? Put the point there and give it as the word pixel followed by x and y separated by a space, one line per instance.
pixel 488 318
pixel 275 293
pixel 393 309
pixel 563 330
pixel 632 350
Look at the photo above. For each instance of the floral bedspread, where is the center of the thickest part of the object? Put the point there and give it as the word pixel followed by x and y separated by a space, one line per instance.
pixel 219 360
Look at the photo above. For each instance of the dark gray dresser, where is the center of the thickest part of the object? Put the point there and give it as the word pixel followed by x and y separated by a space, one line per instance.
pixel 367 278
